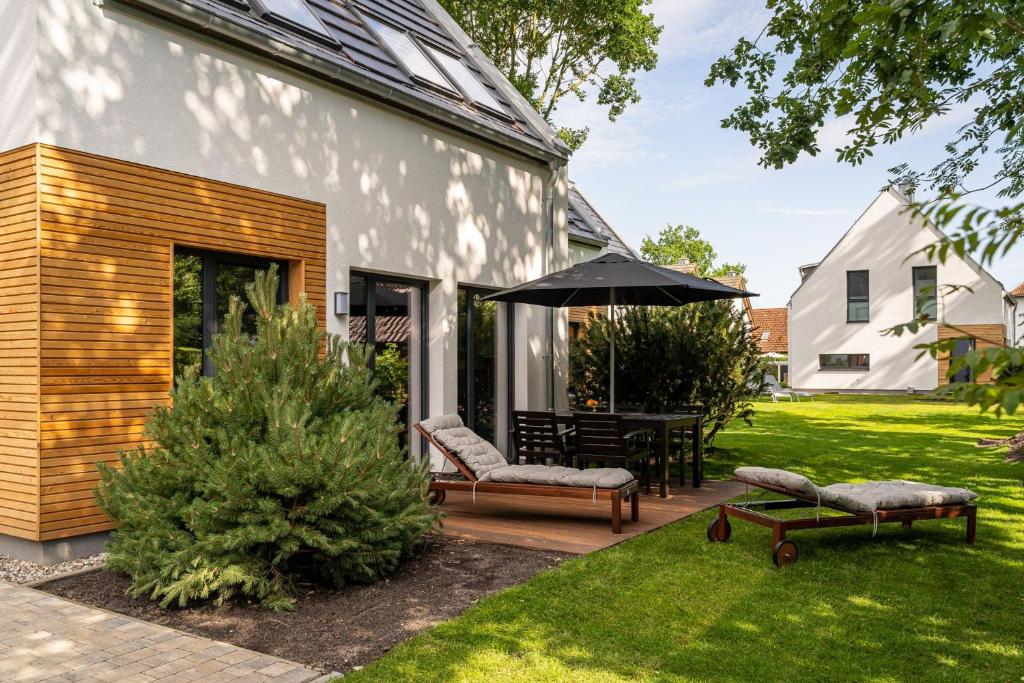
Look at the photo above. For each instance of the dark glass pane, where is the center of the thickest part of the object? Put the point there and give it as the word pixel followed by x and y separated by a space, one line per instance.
pixel 925 295
pixel 392 347
pixel 357 309
pixel 231 282
pixel 857 311
pixel 857 284
pixel 485 367
pixel 188 312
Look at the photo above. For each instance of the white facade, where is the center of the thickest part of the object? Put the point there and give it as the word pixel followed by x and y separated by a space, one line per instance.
pixel 884 241
pixel 404 197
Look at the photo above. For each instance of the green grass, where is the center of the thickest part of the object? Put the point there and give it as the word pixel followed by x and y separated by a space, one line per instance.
pixel 908 605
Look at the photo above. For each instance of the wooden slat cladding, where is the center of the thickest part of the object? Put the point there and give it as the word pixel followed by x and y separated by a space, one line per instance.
pixel 985 337
pixel 19 345
pixel 107 234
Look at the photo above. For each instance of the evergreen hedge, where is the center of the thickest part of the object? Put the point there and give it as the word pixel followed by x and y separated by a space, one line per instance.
pixel 285 464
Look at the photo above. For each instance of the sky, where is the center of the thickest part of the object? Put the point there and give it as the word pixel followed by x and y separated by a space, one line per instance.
pixel 668 160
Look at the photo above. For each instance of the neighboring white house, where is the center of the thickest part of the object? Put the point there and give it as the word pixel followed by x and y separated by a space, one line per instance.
pixel 1018 315
pixel 875 278
pixel 426 179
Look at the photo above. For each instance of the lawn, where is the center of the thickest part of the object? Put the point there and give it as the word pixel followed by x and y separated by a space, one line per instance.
pixel 908 605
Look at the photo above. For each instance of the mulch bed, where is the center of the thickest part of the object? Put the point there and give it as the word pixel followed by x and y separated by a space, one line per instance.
pixel 337 630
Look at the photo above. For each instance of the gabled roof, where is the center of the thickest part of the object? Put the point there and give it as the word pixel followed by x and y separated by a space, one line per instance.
pixel 770 327
pixel 587 225
pixel 902 198
pixel 1018 291
pixel 352 56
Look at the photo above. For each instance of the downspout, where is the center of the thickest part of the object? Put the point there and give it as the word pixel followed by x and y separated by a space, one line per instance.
pixel 549 254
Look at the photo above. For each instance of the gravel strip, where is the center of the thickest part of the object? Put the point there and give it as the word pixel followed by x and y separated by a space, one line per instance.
pixel 18 571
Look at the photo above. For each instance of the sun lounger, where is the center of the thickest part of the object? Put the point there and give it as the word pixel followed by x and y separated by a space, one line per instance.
pixel 483 470
pixel 874 503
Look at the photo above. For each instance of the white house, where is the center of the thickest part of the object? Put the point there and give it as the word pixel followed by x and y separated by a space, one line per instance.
pixel 875 278
pixel 368 149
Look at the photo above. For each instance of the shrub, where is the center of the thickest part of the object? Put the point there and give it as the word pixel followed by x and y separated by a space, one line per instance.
pixel 666 358
pixel 284 464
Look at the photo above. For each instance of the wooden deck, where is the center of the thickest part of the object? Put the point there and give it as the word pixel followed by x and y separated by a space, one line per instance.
pixel 568 525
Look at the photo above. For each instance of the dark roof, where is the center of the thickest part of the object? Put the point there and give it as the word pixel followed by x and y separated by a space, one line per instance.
pixel 770 327
pixel 587 224
pixel 357 53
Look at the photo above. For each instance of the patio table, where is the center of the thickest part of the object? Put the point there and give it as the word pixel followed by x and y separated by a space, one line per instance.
pixel 663 424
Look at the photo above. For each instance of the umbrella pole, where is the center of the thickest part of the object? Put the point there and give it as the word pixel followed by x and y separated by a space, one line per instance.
pixel 611 370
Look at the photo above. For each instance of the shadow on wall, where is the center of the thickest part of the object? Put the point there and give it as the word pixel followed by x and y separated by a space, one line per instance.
pixel 821 310
pixel 123 86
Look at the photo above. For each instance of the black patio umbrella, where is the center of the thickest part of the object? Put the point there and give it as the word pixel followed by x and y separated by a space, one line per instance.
pixel 617 280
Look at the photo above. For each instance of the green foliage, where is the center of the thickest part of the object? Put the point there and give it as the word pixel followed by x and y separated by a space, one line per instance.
pixel 666 358
pixel 391 370
pixel 892 66
pixel 550 49
pixel 188 313
pixel 679 243
pixel 284 464
pixel 908 605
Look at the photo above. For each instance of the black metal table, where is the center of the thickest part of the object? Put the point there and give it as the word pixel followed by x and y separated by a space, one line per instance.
pixel 663 424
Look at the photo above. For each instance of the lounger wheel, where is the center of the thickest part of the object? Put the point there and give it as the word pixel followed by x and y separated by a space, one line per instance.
pixel 436 496
pixel 713 530
pixel 785 553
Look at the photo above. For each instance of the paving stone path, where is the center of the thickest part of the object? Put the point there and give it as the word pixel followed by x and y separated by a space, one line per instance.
pixel 46 638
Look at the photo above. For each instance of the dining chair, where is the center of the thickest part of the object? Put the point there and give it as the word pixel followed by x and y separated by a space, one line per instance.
pixel 537 437
pixel 602 439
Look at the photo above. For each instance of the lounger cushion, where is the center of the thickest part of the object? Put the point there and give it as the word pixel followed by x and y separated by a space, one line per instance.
pixel 601 477
pixel 887 495
pixel 783 479
pixel 479 455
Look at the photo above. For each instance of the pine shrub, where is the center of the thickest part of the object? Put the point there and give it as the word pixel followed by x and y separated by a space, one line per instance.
pixel 283 465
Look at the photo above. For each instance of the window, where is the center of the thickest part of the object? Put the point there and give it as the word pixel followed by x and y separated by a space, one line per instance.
pixel 409 54
pixel 925 298
pixel 296 13
pixel 844 361
pixel 857 308
pixel 765 335
pixel 471 87
pixel 204 283
pixel 390 316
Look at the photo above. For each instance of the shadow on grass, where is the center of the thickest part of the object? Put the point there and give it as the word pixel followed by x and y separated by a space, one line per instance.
pixel 915 604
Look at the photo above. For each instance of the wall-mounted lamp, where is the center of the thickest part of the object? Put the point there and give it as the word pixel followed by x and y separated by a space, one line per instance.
pixel 341 303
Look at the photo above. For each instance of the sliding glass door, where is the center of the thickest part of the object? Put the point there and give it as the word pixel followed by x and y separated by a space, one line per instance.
pixel 485 372
pixel 389 314
pixel 204 282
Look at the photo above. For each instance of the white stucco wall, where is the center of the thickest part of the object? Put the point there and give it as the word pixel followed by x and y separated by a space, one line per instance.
pixel 880 242
pixel 403 197
pixel 18 71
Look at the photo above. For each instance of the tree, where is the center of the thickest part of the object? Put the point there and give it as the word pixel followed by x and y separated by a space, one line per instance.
pixel 285 464
pixel 890 66
pixel 550 49
pixel 705 356
pixel 683 243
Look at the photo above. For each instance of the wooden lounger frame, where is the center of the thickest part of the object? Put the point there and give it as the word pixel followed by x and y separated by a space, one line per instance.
pixel 629 491
pixel 784 551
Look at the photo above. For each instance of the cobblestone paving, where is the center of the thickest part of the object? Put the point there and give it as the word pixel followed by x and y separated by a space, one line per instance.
pixel 46 638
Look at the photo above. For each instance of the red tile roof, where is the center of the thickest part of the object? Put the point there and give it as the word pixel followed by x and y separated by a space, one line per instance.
pixel 1018 291
pixel 771 329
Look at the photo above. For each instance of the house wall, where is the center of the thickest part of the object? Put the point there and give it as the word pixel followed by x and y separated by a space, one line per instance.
pixel 881 241
pixel 19 345
pixel 403 197
pixel 989 336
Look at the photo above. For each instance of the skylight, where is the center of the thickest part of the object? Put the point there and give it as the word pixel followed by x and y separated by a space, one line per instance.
pixel 467 82
pixel 295 12
pixel 412 58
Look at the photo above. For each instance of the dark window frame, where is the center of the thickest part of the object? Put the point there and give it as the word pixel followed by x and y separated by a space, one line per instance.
pixel 510 325
pixel 933 296
pixel 371 280
pixel 858 299
pixel 849 366
pixel 210 260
